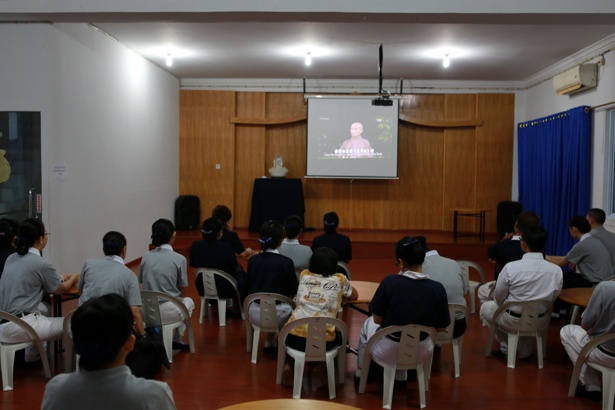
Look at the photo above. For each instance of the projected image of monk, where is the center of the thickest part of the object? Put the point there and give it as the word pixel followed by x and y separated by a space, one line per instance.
pixel 356 146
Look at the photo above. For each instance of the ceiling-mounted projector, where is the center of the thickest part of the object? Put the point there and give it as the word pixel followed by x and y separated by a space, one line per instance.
pixel 383 102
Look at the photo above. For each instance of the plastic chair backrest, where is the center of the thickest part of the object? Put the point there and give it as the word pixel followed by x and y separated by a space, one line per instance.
pixel 408 352
pixel 446 336
pixel 269 316
pixel 582 359
pixel 532 312
pixel 69 354
pixel 209 281
pixel 151 309
pixel 465 268
pixel 346 269
pixel 32 335
pixel 315 346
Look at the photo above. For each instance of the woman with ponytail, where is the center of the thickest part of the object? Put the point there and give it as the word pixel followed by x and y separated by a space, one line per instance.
pixel 164 270
pixel 271 272
pixel 27 278
pixel 212 253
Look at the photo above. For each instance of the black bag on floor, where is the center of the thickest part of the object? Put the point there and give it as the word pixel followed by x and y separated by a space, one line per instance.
pixel 148 355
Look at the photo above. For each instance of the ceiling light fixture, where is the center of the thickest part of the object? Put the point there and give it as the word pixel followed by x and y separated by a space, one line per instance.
pixel 169 60
pixel 447 61
pixel 308 59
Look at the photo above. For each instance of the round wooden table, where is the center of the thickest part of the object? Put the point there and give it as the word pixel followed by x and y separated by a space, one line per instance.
pixel 285 404
pixel 576 296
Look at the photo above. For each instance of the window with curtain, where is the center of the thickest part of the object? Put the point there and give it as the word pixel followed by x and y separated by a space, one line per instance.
pixel 554 172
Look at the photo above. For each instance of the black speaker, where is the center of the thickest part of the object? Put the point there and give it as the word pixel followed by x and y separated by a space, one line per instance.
pixel 508 211
pixel 187 212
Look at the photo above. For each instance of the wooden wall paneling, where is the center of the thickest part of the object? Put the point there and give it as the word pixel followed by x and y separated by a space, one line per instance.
pixel 369 203
pixel 423 106
pixel 459 177
pixel 495 147
pixel 206 139
pixel 250 143
pixel 421 178
pixel 460 185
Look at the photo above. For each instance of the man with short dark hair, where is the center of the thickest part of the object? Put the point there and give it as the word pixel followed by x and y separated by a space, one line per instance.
pixel 505 251
pixel 591 259
pixel 110 275
pixel 531 278
pixel 300 254
pixel 596 218
pixel 103 337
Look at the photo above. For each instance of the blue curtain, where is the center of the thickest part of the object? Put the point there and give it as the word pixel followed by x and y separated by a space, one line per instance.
pixel 554 172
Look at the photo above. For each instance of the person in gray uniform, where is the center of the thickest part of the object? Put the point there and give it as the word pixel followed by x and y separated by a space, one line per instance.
pixel 27 278
pixel 110 275
pixel 300 254
pixel 164 270
pixel 102 333
pixel 598 319
pixel 591 260
pixel 596 218
pixel 449 274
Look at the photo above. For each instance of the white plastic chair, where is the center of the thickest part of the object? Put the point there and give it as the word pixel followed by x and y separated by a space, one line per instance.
pixel 533 313
pixel 407 358
pixel 346 268
pixel 268 320
pixel 211 292
pixel 7 351
pixel 315 351
pixel 472 284
pixel 68 345
pixel 152 317
pixel 608 374
pixel 446 336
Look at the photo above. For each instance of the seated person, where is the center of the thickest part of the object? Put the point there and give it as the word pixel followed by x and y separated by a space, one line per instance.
pixel 596 218
pixel 26 280
pixel 331 239
pixel 506 250
pixel 223 213
pixel 164 270
pixel 409 297
pixel 300 254
pixel 591 258
pixel 320 293
pixel 531 278
pixel 110 275
pixel 103 336
pixel 597 319
pixel 271 272
pixel 212 253
pixel 449 274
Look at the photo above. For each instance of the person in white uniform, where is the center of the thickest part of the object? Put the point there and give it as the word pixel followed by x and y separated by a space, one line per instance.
pixel 26 279
pixel 531 278
pixel 102 332
pixel 164 270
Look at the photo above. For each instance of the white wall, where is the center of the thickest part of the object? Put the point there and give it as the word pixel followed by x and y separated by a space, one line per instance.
pixel 111 117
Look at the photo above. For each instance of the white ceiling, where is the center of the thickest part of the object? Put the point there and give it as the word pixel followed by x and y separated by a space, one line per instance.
pixel 344 45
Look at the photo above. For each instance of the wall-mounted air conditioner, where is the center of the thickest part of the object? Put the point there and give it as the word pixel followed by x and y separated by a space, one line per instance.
pixel 579 78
